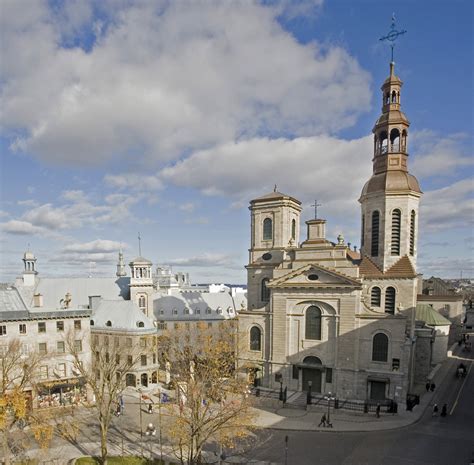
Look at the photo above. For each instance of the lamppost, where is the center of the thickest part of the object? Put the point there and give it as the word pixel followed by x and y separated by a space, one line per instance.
pixel 329 398
pixel 141 425
pixel 308 396
pixel 281 389
pixel 159 423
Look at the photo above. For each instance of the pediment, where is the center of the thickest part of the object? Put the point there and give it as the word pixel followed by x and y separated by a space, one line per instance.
pixel 315 276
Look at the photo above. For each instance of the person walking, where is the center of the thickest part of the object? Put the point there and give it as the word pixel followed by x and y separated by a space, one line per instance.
pixel 323 420
pixel 432 387
pixel 427 385
pixel 444 410
pixel 435 410
pixel 150 408
pixel 377 411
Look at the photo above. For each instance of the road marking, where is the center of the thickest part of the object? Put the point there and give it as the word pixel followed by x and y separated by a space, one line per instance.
pixel 460 389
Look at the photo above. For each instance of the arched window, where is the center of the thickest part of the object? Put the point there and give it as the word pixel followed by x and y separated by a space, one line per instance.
pixel 265 291
pixel 312 361
pixel 396 230
pixel 412 232
pixel 109 323
pixel 390 300
pixel 293 229
pixel 384 142
pixel 375 295
pixel 142 301
pixel 255 338
pixel 267 229
pixel 375 234
pixel 394 97
pixel 140 324
pixel 394 140
pixel 380 348
pixel 404 140
pixel 313 323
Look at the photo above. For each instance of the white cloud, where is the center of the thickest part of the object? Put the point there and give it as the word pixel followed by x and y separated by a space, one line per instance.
pixel 204 260
pixel 448 207
pixel 22 228
pixel 134 182
pixel 322 167
pixel 439 156
pixel 165 79
pixel 97 246
pixel 188 207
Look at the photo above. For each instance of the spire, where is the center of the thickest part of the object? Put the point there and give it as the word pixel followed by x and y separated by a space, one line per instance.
pixel 121 271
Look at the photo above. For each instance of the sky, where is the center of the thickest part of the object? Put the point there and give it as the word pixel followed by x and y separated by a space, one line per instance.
pixel 165 118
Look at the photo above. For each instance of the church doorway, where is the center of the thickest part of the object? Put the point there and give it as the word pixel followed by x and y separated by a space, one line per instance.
pixel 377 390
pixel 312 372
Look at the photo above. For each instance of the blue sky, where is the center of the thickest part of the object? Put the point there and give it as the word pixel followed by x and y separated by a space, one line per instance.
pixel 169 117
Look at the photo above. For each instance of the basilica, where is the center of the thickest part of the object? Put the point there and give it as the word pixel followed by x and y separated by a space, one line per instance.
pixel 323 317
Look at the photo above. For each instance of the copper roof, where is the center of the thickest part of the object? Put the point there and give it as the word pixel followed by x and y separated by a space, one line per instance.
pixel 275 196
pixel 390 181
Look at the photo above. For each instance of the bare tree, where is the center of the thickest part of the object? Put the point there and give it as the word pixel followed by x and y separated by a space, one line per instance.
pixel 212 401
pixel 18 375
pixel 105 376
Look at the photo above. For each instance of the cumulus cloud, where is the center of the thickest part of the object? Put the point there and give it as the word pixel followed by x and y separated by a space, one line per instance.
pixel 161 79
pixel 133 182
pixel 97 246
pixel 23 228
pixel 439 156
pixel 204 260
pixel 331 169
pixel 448 207
pixel 74 210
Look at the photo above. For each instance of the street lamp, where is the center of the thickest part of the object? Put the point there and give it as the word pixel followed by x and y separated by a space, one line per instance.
pixel 329 398
pixel 308 396
pixel 281 389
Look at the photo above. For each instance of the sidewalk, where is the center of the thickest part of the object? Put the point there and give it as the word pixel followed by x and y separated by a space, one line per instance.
pixel 288 418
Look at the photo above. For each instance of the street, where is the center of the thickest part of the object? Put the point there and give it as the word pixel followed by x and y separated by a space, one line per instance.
pixel 431 441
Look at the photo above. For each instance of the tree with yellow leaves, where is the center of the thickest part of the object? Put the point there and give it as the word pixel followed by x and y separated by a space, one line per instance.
pixel 18 372
pixel 212 401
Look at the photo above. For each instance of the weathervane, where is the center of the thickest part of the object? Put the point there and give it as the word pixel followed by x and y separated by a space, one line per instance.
pixel 393 35
pixel 316 205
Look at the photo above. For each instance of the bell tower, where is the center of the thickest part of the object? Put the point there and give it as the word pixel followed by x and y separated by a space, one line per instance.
pixel 390 199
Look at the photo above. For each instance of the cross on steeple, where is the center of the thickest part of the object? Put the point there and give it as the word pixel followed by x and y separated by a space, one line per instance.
pixel 139 245
pixel 316 205
pixel 393 35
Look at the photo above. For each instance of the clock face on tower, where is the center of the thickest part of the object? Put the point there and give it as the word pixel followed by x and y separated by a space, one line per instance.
pixel 267 256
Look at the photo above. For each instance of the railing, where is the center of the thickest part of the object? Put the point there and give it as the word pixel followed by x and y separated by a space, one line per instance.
pixel 393 148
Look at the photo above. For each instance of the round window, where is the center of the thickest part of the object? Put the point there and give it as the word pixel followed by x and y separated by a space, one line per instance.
pixel 313 277
pixel 267 256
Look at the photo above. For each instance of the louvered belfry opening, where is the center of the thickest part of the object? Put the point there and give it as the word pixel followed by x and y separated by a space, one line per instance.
pixel 396 230
pixel 412 232
pixel 390 300
pixel 375 234
pixel 375 295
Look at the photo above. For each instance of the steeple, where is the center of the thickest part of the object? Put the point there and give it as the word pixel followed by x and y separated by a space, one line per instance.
pixel 121 271
pixel 29 271
pixel 390 198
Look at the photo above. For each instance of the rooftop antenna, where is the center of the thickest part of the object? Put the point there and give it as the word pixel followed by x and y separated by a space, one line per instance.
pixel 275 188
pixel 139 245
pixel 393 35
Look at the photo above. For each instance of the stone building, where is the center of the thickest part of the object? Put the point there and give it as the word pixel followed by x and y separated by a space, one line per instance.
pixel 322 317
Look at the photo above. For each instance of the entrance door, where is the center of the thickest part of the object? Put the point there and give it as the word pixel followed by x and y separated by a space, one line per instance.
pixel 377 390
pixel 130 380
pixel 313 375
pixel 144 379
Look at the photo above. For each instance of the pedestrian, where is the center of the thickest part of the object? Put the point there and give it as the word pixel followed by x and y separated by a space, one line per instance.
pixel 377 411
pixel 432 387
pixel 427 385
pixel 444 410
pixel 323 420
pixel 150 408
pixel 118 411
pixel 435 410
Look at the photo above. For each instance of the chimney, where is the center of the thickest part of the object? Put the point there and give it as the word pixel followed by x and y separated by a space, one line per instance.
pixel 94 301
pixel 38 300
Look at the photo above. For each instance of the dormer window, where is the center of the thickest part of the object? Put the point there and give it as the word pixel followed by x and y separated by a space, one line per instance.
pixel 140 324
pixel 109 323
pixel 186 311
pixel 175 311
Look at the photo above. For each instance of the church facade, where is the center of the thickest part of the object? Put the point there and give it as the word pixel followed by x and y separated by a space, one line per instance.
pixel 321 316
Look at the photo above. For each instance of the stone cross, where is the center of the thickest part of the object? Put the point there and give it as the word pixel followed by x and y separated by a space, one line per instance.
pixel 316 205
